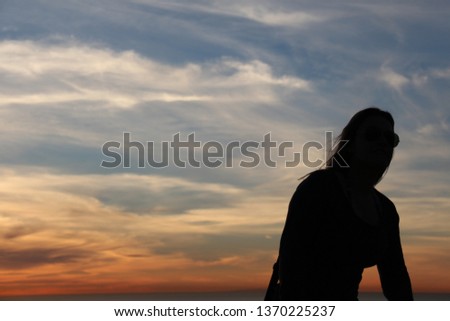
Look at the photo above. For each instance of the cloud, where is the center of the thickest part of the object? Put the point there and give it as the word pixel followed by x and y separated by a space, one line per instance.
pixel 263 12
pixel 79 73
pixel 441 73
pixel 34 257
pixel 155 195
pixel 79 86
pixel 142 194
pixel 56 74
pixel 393 79
pixel 279 18
pixel 214 247
pixel 18 231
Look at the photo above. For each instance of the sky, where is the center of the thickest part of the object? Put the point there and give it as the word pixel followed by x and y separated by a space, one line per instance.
pixel 76 75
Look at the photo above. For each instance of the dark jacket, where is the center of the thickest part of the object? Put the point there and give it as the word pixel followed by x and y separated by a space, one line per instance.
pixel 325 246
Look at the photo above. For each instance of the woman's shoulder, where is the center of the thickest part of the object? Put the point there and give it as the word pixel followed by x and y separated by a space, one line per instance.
pixel 322 172
pixel 320 176
pixel 386 200
pixel 388 206
pixel 318 179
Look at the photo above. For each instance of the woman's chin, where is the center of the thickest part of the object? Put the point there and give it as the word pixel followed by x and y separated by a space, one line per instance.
pixel 375 163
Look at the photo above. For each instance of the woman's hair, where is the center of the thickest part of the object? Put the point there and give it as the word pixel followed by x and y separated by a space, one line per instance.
pixel 341 155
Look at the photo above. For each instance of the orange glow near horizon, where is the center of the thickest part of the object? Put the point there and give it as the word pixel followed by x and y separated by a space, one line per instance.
pixel 57 239
pixel 123 282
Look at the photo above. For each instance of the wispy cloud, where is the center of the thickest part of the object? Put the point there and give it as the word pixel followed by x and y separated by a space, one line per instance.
pixel 38 74
pixel 263 12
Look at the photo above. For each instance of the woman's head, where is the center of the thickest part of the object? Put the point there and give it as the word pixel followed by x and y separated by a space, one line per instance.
pixel 366 141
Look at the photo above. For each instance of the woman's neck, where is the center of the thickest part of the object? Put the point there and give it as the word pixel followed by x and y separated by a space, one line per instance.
pixel 362 178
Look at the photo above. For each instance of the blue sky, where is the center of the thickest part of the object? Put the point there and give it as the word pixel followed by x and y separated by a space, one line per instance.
pixel 76 74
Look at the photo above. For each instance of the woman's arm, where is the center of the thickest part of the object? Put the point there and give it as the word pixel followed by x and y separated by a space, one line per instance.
pixel 393 273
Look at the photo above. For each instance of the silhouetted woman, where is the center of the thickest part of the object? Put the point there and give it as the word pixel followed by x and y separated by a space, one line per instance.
pixel 338 223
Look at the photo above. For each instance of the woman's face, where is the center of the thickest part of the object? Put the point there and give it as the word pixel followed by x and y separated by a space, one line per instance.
pixel 374 142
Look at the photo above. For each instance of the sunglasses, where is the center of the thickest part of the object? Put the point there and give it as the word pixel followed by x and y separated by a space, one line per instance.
pixel 374 134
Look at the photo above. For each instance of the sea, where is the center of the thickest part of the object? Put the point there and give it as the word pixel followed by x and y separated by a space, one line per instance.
pixel 256 295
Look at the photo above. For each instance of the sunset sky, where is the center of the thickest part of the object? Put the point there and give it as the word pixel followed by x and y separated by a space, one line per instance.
pixel 76 74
